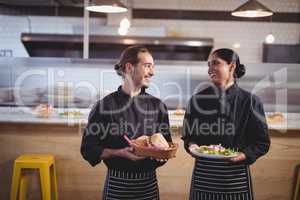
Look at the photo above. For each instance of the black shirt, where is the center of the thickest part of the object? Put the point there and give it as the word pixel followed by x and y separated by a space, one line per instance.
pixel 118 114
pixel 233 118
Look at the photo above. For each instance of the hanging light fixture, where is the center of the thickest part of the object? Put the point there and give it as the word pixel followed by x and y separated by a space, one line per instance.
pixel 270 38
pixel 122 31
pixel 106 6
pixel 125 23
pixel 252 8
pixel 124 26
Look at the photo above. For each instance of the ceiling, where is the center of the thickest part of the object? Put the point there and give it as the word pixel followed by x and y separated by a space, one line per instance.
pixel 42 2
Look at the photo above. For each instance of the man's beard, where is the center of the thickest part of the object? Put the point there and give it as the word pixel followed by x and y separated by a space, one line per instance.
pixel 144 86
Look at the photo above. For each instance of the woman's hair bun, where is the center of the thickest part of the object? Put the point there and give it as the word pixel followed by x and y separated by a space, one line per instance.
pixel 231 56
pixel 240 70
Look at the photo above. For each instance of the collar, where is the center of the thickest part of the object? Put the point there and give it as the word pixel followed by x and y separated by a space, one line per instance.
pixel 124 94
pixel 232 90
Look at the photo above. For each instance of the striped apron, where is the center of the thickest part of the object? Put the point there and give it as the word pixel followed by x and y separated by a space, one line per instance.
pixel 220 180
pixel 121 185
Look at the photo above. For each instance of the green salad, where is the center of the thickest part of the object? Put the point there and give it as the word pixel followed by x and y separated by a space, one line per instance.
pixel 216 150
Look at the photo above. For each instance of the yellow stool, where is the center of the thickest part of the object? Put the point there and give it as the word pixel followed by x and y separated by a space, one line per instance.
pixel 46 166
pixel 297 185
pixel 23 187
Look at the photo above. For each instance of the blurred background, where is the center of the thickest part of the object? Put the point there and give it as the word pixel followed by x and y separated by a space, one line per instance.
pixel 42 59
pixel 57 53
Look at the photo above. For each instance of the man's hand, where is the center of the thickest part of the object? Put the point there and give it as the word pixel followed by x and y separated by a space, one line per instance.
pixel 159 160
pixel 126 152
pixel 240 157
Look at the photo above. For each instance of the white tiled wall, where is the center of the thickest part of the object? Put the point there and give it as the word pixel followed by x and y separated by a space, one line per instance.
pixel 250 35
pixel 11 28
pixel 275 5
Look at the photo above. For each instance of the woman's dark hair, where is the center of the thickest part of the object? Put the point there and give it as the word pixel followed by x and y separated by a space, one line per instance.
pixel 129 55
pixel 231 57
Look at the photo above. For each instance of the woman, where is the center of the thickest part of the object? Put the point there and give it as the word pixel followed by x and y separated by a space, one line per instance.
pixel 225 114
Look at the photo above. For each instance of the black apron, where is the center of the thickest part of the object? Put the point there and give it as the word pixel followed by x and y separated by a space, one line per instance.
pixel 220 180
pixel 121 185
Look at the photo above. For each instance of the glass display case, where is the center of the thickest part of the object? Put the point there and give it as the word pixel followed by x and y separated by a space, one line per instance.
pixel 65 82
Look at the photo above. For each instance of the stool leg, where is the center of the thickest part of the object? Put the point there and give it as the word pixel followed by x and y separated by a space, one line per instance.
pixel 23 187
pixel 54 181
pixel 15 182
pixel 297 188
pixel 45 182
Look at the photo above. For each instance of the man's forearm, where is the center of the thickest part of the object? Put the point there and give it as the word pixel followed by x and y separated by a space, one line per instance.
pixel 109 153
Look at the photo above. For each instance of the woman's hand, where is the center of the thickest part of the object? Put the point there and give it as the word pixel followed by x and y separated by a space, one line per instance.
pixel 193 146
pixel 240 157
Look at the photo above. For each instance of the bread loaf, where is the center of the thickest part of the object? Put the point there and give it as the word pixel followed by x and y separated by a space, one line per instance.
pixel 158 140
pixel 142 141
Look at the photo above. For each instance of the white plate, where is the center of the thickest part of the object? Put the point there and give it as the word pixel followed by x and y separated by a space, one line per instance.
pixel 215 156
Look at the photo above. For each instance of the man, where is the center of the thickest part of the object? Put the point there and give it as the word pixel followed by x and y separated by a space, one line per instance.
pixel 131 111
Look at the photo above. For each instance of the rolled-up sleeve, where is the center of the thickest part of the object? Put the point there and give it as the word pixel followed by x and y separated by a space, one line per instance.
pixel 187 132
pixel 258 140
pixel 93 135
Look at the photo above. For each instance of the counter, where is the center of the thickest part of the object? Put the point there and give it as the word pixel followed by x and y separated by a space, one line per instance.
pixel 23 132
pixel 26 115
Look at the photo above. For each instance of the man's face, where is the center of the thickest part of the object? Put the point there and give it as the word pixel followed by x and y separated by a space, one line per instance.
pixel 143 70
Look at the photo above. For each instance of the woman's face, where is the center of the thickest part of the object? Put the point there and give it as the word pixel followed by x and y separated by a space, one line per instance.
pixel 219 72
